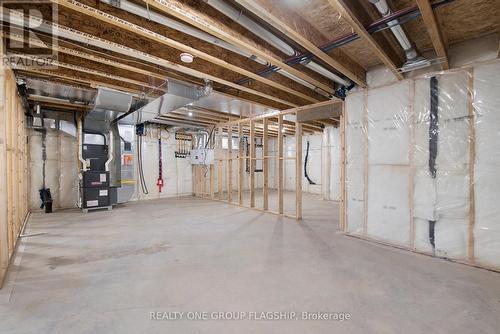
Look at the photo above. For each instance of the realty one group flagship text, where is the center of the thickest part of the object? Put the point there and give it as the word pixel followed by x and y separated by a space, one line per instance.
pixel 251 315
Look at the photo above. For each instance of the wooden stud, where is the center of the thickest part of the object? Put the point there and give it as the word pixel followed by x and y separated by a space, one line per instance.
pixel 252 163
pixel 298 170
pixel 343 201
pixel 4 230
pixel 472 164
pixel 265 153
pixel 241 162
pixel 280 164
pixel 411 158
pixel 212 168
pixel 230 164
pixel 366 166
pixel 219 164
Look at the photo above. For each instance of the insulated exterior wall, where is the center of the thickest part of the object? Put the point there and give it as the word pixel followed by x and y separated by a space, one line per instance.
pixel 14 177
pixel 388 130
pixel 177 172
pixel 61 173
pixel 389 148
pixel 355 162
pixel 331 164
pixel 445 198
pixel 487 164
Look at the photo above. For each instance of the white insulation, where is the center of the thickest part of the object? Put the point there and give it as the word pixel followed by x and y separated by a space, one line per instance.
pixel 388 158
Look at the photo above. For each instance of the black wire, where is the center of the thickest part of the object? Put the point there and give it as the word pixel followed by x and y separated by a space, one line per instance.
pixel 141 170
pixel 305 165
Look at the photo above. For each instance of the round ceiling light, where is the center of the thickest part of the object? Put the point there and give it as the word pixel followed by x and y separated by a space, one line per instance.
pixel 187 58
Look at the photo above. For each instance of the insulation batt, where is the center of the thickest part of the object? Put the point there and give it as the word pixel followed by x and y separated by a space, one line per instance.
pixel 394 121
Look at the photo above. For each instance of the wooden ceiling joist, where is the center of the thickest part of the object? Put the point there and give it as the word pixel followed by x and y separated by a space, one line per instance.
pixel 203 22
pixel 95 73
pixel 340 61
pixel 50 101
pixel 350 13
pixel 90 82
pixel 89 39
pixel 434 31
pixel 151 35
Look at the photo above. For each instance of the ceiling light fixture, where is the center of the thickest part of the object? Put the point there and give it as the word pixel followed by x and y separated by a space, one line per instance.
pixel 187 57
pixel 190 114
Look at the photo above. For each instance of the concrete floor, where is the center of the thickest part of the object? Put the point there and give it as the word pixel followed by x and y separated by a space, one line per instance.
pixel 104 272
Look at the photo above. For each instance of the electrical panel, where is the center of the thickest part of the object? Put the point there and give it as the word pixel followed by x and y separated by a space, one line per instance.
pixel 202 156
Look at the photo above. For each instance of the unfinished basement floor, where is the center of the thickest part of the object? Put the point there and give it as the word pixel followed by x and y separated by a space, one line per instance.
pixel 105 272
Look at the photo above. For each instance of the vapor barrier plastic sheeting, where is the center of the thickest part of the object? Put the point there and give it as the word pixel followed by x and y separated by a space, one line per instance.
pixel 61 174
pixel 355 162
pixel 486 174
pixel 401 134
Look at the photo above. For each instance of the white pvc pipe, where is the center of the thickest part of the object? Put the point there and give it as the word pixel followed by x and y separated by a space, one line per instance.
pixel 80 145
pixel 249 24
pixel 396 29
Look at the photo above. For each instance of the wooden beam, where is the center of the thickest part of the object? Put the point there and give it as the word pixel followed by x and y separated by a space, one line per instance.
pixel 205 23
pixel 151 35
pixel 340 61
pixel 349 13
pixel 434 31
pixel 288 111
pixel 298 170
pixel 265 153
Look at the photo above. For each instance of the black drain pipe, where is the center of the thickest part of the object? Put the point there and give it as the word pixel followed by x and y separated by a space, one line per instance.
pixel 433 145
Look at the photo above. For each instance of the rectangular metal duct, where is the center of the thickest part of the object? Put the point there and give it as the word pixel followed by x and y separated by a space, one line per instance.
pixel 178 95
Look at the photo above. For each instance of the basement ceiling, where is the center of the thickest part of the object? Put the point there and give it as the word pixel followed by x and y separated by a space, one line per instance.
pixel 139 55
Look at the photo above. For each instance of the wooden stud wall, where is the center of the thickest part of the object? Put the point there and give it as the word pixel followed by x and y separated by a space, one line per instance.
pixel 13 167
pixel 470 256
pixel 257 127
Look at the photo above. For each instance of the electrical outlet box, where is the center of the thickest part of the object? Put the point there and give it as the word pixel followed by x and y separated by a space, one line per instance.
pixel 202 156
